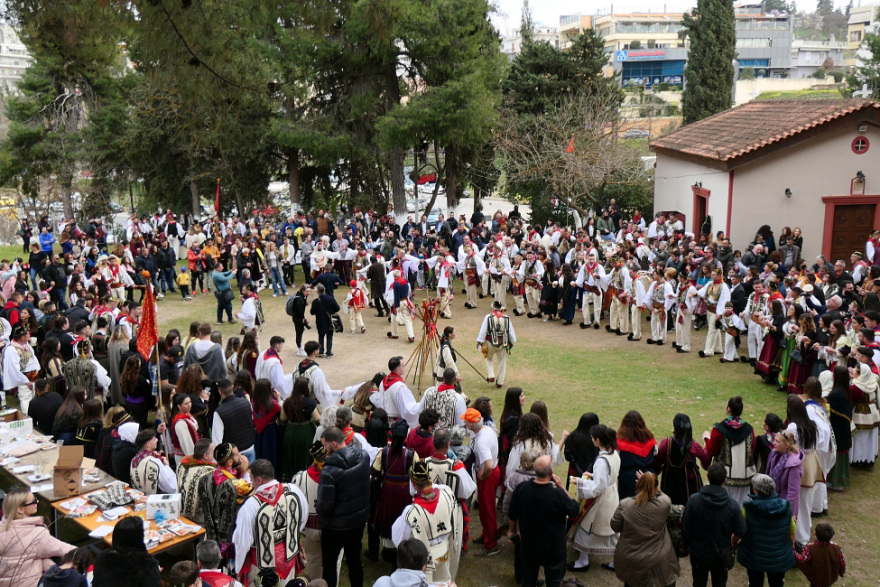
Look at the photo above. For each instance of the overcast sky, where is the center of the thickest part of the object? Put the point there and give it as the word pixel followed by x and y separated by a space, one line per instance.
pixel 547 11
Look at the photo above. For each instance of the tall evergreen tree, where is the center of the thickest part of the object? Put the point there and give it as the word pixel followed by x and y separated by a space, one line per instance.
pixel 708 75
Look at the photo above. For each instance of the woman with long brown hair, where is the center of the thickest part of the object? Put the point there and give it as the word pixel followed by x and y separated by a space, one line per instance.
pixel 637 448
pixel 68 416
pixel 52 361
pixel 266 411
pixel 115 348
pixel 137 390
pixel 249 352
pixel 644 556
pixel 300 412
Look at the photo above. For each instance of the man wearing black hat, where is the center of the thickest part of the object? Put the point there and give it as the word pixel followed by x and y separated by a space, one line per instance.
pixel 221 493
pixel 435 519
pixel 307 481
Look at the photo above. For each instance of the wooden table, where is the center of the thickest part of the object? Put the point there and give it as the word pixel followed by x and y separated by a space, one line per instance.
pixel 48 458
pixel 91 523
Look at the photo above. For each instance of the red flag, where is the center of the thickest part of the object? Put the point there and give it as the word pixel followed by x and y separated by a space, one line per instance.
pixel 570 148
pixel 148 330
pixel 217 198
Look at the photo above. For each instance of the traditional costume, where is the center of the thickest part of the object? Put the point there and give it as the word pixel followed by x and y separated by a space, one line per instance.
pixel 591 532
pixel 447 401
pixel 731 324
pixel 443 265
pixel 190 472
pixel 496 338
pixel 661 298
pixel 269 366
pixel 757 309
pixel 619 288
pixel 20 368
pixel 686 298
pixel 397 400
pixel 220 495
pixel 267 532
pixel 472 268
pixel 863 394
pixel 732 443
pixel 434 519
pixel 354 305
pixel 402 309
pixel 531 271
pixel 151 475
pixel 591 279
pixel 307 482
pixel 716 294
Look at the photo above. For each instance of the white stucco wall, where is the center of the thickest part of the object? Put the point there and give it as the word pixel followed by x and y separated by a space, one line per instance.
pixel 822 167
pixel 817 168
pixel 673 181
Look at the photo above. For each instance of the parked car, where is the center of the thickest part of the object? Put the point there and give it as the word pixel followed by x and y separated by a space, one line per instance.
pixel 636 133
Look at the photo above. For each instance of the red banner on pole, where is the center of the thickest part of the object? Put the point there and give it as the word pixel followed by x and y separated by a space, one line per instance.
pixel 148 330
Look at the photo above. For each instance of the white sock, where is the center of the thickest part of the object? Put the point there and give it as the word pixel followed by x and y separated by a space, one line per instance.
pixel 582 561
pixel 2 398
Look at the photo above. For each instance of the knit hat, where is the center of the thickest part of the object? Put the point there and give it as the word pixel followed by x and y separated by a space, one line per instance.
pixel 120 418
pixel 318 452
pixel 353 283
pixel 400 429
pixel 419 473
pixel 222 452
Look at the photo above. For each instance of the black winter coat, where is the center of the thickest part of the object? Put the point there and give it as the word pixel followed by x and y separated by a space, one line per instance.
pixel 711 515
pixel 344 490
pixel 129 567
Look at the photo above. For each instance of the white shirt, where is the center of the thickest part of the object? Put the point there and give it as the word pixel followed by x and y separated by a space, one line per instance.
pixel 243 536
pixel 248 314
pixel 485 446
pixel 12 374
pixel 398 401
pixel 273 370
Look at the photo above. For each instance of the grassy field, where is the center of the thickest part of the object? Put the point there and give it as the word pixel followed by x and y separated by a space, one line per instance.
pixel 573 371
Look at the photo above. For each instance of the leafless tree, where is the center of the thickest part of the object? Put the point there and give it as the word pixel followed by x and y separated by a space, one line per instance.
pixel 536 149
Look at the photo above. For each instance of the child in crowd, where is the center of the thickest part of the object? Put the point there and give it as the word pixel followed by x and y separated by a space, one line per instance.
pixel 183 284
pixel 822 561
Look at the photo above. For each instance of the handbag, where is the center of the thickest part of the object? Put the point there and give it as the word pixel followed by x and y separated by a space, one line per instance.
pixel 673 527
pixel 227 295
pixel 797 356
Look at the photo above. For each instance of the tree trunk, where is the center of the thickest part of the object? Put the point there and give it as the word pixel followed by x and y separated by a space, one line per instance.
pixel 195 201
pixel 293 178
pixel 451 178
pixel 65 200
pixel 396 156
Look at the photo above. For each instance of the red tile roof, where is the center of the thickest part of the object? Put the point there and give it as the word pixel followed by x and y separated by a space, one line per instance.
pixel 747 128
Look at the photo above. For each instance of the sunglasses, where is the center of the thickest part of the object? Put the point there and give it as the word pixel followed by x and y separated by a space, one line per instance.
pixel 30 503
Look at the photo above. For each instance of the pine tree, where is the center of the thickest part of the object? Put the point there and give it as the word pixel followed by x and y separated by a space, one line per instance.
pixel 709 72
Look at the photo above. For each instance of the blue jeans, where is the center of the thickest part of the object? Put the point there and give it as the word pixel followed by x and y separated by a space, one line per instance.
pixel 167 278
pixel 275 276
pixel 34 279
pixel 58 294
pixel 222 306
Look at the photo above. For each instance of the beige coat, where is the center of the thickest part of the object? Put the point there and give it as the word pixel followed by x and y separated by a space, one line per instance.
pixel 25 551
pixel 644 555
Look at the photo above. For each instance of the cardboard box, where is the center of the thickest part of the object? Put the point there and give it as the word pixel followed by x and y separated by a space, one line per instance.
pixel 18 423
pixel 67 477
pixel 168 503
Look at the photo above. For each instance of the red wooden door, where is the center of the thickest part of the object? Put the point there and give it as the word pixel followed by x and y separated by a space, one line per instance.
pixel 852 227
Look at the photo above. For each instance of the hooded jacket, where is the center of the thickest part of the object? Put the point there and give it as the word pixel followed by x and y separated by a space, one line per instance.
pixel 58 577
pixel 402 578
pixel 344 490
pixel 124 450
pixel 786 470
pixel 711 515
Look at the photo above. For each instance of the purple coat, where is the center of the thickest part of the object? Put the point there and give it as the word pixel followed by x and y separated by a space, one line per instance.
pixel 786 470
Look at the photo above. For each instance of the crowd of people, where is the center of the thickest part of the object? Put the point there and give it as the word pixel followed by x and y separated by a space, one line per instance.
pixel 287 474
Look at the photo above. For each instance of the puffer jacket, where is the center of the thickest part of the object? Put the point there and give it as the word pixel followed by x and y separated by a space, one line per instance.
pixel 767 543
pixel 26 552
pixel 344 490
pixel 786 469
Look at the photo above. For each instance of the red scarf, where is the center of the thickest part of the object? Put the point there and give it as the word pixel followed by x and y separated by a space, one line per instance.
pixel 143 454
pixel 391 379
pixel 348 433
pixel 717 281
pixel 427 499
pixel 641 449
pixel 444 387
pixel 221 474
pixel 193 430
pixel 270 352
pixel 498 313
pixel 401 281
pixel 357 298
pixel 270 493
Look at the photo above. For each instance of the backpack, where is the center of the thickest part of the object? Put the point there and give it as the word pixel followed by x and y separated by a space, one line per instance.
pixel 289 306
pixel 673 526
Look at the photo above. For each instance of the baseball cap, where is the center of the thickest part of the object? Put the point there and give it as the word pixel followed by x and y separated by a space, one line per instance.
pixel 472 416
